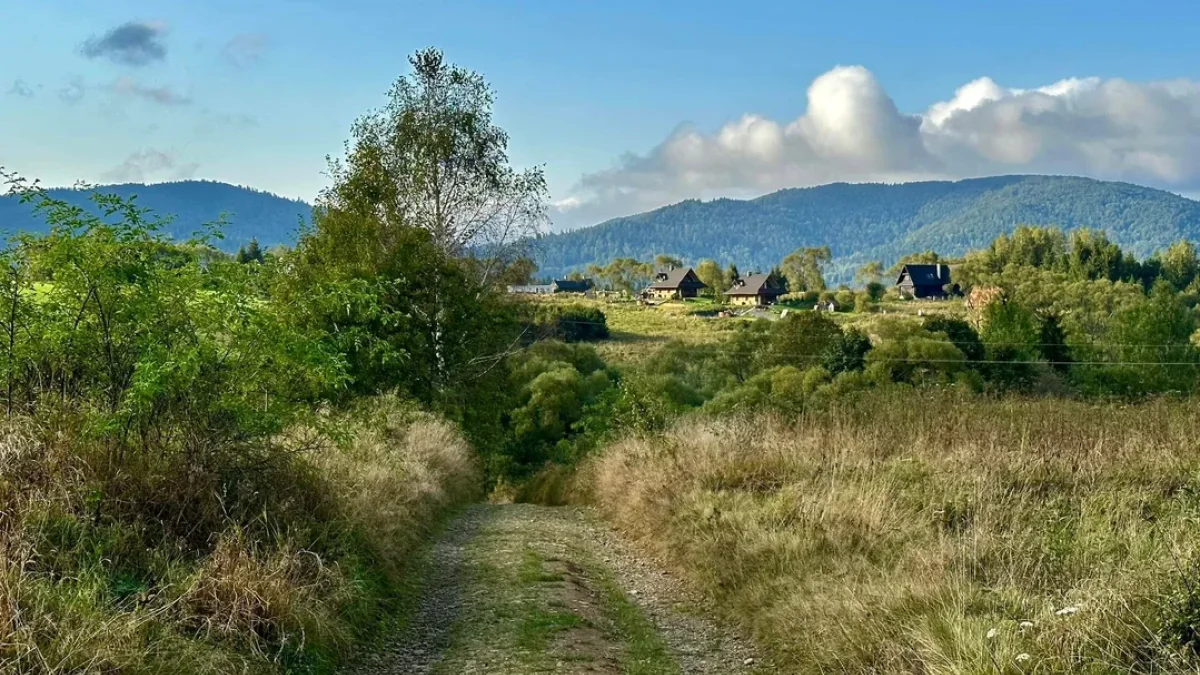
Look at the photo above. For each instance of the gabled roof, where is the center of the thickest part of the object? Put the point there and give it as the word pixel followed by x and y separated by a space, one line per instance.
pixel 679 277
pixel 925 275
pixel 754 284
pixel 573 285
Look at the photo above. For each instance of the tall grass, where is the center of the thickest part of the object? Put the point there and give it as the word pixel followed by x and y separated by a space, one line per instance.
pixel 168 568
pixel 921 532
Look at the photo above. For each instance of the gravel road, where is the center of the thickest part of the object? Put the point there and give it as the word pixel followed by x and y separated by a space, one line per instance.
pixel 427 634
pixel 533 589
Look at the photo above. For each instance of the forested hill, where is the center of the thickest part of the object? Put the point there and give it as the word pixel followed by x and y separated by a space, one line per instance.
pixel 249 213
pixel 879 222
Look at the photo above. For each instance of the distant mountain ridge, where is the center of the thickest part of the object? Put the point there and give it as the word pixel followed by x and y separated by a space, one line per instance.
pixel 862 222
pixel 250 213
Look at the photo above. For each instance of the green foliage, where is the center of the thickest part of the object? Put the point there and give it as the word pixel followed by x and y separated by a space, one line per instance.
pixel 870 273
pixel 802 340
pixel 803 268
pixel 251 253
pixel 958 332
pixel 104 315
pixel 911 354
pixel 1052 342
pixel 846 352
pixel 1149 343
pixel 1178 265
pixel 430 158
pixel 713 276
pixel 863 303
pixel 519 272
pixel 664 261
pixel 1011 335
pixel 571 323
pixel 623 274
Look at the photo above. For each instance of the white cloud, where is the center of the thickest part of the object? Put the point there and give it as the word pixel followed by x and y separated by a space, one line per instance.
pixel 852 131
pixel 150 165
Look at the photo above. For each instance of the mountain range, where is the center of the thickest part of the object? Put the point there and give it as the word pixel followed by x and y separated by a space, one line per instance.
pixel 861 222
pixel 249 213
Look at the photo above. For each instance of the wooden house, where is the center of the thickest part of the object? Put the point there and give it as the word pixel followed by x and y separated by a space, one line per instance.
pixel 680 282
pixel 754 289
pixel 923 281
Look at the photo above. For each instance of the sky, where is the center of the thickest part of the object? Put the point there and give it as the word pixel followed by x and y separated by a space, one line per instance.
pixel 627 105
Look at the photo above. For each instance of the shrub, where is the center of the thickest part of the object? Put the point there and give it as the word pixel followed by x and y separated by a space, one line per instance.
pixel 959 333
pixel 571 323
pixel 864 303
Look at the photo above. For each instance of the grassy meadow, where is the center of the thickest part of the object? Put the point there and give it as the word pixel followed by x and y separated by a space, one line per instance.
pixel 916 531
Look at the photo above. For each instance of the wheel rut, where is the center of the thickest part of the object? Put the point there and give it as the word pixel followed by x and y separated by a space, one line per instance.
pixel 518 588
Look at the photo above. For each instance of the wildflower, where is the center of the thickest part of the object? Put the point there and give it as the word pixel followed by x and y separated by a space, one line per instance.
pixel 991 634
pixel 1025 625
pixel 1023 657
pixel 1067 611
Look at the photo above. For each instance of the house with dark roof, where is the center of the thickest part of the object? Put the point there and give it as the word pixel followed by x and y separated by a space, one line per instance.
pixel 676 282
pixel 923 281
pixel 754 289
pixel 572 285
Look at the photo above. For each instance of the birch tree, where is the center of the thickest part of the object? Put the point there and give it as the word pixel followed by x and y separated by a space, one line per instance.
pixel 431 158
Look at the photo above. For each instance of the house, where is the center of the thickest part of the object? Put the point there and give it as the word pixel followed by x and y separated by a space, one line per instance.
pixel 679 282
pixel 572 285
pixel 557 286
pixel 923 281
pixel 754 289
pixel 532 289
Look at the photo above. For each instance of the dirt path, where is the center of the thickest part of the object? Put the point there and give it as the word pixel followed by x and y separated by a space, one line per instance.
pixel 532 589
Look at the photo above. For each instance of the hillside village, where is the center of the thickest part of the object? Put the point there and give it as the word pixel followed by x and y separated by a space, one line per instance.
pixel 913 281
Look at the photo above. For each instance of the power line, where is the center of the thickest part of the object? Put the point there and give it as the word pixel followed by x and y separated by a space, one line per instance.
pixel 1165 345
pixel 919 360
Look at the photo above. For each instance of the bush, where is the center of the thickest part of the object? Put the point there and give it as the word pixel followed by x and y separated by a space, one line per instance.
pixel 172 499
pixel 571 323
pixel 960 334
pixel 864 303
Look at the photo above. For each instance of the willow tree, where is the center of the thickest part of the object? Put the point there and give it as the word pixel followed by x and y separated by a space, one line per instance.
pixel 431 158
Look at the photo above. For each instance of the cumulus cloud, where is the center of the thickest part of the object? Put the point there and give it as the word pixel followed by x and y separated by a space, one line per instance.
pixel 245 50
pixel 852 131
pixel 129 87
pixel 148 165
pixel 134 43
pixel 20 88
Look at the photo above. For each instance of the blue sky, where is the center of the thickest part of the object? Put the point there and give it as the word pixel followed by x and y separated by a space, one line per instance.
pixel 628 105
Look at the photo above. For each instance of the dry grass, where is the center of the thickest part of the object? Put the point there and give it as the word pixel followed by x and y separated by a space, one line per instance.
pixel 898 534
pixel 288 586
pixel 638 330
pixel 399 471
